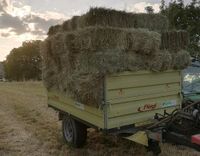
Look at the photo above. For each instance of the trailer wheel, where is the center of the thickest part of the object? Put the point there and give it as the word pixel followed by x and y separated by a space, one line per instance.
pixel 74 132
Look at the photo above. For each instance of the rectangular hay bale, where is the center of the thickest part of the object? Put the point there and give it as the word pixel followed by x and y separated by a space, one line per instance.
pixel 174 40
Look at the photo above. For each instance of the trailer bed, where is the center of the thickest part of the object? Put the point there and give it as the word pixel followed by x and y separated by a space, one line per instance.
pixel 130 98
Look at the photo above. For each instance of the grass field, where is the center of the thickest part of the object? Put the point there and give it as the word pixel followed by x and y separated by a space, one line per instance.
pixel 29 128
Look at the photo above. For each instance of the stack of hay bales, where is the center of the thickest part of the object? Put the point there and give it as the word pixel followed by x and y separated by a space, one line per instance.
pixel 79 53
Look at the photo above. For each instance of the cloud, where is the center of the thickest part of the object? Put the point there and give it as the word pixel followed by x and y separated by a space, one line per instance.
pixel 21 19
pixel 5 34
pixel 3 4
pixel 15 23
pixel 50 15
pixel 8 43
pixel 41 24
pixel 140 7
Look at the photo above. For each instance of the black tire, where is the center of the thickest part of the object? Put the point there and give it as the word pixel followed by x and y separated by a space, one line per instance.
pixel 74 132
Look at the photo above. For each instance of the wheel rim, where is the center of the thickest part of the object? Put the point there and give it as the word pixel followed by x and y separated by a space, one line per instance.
pixel 68 130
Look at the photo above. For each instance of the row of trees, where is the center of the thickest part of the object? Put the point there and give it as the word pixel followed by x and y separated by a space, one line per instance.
pixel 24 63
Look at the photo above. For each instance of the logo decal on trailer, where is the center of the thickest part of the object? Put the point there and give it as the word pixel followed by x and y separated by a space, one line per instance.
pixel 169 103
pixel 147 107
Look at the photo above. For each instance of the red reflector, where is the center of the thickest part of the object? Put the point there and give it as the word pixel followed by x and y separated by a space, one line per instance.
pixel 195 139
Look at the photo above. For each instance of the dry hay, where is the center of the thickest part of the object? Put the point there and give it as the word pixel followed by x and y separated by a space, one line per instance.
pixel 112 18
pixel 76 62
pixel 181 59
pixel 87 88
pixel 54 29
pixel 174 40
pixel 78 54
pixel 57 44
pixel 107 17
pixel 161 61
pixel 101 38
pixel 84 81
pixel 71 24
pixel 155 22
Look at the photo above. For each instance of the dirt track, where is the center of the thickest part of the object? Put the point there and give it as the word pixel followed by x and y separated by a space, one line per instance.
pixel 29 127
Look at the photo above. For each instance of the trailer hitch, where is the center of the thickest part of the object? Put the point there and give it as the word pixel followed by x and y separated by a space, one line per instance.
pixel 148 139
pixel 168 129
pixel 181 127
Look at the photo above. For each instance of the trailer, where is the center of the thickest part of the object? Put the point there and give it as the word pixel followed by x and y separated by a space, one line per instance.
pixel 141 106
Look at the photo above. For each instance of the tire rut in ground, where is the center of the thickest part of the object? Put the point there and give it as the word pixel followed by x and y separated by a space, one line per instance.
pixel 15 140
pixel 40 128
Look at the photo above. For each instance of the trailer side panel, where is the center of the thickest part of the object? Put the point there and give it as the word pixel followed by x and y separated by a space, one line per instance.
pixel 135 97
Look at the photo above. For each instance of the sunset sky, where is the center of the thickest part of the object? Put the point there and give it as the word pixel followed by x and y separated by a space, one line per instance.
pixel 22 20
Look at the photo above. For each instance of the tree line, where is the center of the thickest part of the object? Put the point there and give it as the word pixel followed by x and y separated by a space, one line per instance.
pixel 24 63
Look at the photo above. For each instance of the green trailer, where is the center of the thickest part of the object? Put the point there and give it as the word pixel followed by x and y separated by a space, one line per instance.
pixel 131 100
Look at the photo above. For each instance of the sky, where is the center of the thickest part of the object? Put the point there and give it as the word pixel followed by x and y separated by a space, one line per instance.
pixel 22 20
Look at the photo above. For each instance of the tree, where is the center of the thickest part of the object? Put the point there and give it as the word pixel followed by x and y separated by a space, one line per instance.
pixel 149 9
pixel 194 2
pixel 1 70
pixel 180 3
pixel 24 63
pixel 162 6
pixel 185 18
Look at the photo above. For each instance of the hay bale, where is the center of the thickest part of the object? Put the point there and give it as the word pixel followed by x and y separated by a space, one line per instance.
pixel 101 38
pixel 106 17
pixel 45 50
pixel 167 60
pixel 54 29
pixel 135 61
pixel 69 62
pixel 99 63
pixel 66 26
pixel 57 44
pixel 71 24
pixel 181 60
pixel 57 47
pixel 156 22
pixel 49 74
pixel 156 62
pixel 87 88
pixel 50 64
pixel 161 61
pixel 143 41
pixel 93 38
pixel 113 18
pixel 74 22
pixel 174 40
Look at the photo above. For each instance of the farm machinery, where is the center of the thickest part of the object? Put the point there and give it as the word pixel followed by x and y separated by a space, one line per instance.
pixel 182 126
